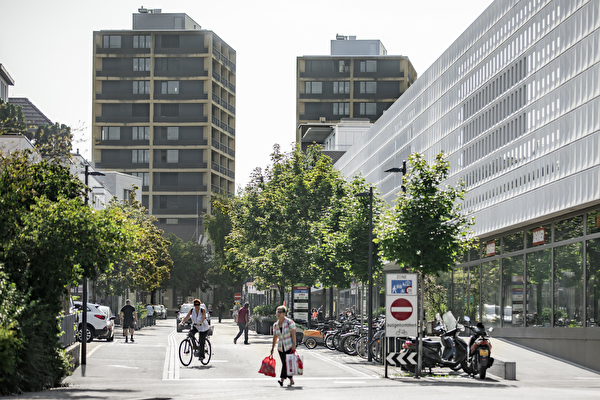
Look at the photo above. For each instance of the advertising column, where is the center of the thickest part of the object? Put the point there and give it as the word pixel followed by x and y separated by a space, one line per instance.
pixel 301 302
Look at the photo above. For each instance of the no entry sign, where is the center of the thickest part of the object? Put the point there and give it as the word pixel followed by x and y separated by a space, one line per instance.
pixel 401 309
pixel 401 305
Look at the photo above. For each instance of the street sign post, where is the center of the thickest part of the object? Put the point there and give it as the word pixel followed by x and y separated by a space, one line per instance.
pixel 401 315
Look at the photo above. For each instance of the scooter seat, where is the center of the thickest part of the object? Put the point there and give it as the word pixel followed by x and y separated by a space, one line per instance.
pixel 432 345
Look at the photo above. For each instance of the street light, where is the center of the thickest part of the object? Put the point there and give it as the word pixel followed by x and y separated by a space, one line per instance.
pixel 396 169
pixel 370 288
pixel 84 300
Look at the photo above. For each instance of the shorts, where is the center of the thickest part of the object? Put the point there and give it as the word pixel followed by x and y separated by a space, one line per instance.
pixel 128 325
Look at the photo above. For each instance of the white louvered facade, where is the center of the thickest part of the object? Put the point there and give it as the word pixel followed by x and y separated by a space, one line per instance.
pixel 515 104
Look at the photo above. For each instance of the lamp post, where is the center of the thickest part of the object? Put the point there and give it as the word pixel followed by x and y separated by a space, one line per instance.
pixel 370 287
pixel 84 300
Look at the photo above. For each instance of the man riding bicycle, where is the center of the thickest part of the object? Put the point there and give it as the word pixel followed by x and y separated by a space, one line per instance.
pixel 199 317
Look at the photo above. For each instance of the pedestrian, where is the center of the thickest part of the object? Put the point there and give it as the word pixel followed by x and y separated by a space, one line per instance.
pixel 236 308
pixel 128 315
pixel 243 320
pixel 199 316
pixel 284 332
pixel 221 310
pixel 149 316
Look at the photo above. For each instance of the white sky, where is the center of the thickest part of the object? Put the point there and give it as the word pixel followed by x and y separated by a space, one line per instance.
pixel 46 46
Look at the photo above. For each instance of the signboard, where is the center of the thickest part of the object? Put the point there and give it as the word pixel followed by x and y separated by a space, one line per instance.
pixel 538 236
pixel 300 292
pixel 490 248
pixel 401 305
pixel 237 296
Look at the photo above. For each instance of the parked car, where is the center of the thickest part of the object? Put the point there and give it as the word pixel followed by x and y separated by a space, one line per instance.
pixel 160 312
pixel 97 322
pixel 183 310
pixel 110 323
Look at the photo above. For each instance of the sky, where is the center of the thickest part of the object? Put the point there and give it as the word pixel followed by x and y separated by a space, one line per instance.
pixel 46 46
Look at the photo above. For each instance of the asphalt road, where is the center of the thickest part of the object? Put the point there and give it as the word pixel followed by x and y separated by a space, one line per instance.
pixel 150 369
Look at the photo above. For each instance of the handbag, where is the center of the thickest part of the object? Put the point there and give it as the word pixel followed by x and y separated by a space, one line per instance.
pixel 299 364
pixel 267 366
pixel 290 364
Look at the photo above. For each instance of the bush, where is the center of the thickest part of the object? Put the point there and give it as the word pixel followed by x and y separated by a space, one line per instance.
pixel 265 310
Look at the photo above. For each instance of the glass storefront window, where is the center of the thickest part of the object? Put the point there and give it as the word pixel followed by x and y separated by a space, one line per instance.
pixel 539 236
pixel 568 283
pixel 490 293
pixel 539 293
pixel 512 242
pixel 593 222
pixel 460 291
pixel 593 282
pixel 568 228
pixel 512 291
pixel 475 253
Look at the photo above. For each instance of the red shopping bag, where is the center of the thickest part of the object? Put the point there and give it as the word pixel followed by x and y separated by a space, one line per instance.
pixel 268 366
pixel 299 365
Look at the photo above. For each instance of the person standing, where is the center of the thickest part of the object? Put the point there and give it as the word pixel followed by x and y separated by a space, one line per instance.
pixel 284 335
pixel 243 320
pixel 149 316
pixel 127 315
pixel 235 312
pixel 199 316
pixel 221 310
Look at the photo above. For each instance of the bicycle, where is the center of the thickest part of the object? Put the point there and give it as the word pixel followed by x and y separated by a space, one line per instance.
pixel 188 347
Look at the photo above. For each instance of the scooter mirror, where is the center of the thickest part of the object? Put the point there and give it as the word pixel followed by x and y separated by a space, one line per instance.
pixel 467 319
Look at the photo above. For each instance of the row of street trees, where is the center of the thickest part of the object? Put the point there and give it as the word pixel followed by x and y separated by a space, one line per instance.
pixel 301 221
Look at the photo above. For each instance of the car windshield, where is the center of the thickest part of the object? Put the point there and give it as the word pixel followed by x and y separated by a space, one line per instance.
pixel 185 308
pixel 157 308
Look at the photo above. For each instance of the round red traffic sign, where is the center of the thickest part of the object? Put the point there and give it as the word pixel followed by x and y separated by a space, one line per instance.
pixel 401 309
pixel 237 296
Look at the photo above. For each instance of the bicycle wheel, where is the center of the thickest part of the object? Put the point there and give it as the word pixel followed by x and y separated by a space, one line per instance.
pixel 207 352
pixel 375 349
pixel 348 344
pixel 186 352
pixel 329 341
pixel 361 347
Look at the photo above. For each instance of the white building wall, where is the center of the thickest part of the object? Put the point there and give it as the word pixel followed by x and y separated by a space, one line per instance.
pixel 514 103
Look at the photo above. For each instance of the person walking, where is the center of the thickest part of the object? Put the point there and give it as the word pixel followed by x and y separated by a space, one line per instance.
pixel 243 320
pixel 221 310
pixel 199 316
pixel 235 312
pixel 128 315
pixel 284 335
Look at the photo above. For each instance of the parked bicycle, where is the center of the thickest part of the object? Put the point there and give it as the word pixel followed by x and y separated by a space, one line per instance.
pixel 188 348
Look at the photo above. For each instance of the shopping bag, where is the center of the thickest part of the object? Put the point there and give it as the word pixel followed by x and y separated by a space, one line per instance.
pixel 290 364
pixel 299 365
pixel 268 366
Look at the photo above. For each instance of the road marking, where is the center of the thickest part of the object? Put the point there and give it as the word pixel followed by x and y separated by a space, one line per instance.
pixel 338 379
pixel 339 365
pixel 123 366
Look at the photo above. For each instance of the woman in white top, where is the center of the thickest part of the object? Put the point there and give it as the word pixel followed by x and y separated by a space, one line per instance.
pixel 199 318
pixel 236 307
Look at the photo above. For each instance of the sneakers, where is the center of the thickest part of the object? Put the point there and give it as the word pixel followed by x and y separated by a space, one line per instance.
pixel 235 341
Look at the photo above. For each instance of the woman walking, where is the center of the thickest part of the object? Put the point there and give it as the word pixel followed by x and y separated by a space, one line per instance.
pixel 284 331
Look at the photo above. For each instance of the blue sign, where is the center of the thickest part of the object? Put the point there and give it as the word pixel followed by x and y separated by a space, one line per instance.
pixel 402 286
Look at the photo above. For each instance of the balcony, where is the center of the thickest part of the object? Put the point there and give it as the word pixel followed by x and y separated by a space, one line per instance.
pixel 180 165
pixel 122 96
pixel 123 74
pixel 180 188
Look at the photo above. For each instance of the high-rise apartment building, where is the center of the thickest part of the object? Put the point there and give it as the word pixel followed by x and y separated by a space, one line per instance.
pixel 164 110
pixel 358 80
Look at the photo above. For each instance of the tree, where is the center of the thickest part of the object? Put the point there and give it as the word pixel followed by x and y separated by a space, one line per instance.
pixel 426 230
pixel 54 141
pixel 12 119
pixel 191 263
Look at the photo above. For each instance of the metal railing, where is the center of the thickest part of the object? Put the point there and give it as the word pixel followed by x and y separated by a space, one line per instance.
pixel 68 328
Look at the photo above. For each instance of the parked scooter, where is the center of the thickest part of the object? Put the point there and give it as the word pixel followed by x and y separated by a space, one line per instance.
pixel 450 351
pixel 480 350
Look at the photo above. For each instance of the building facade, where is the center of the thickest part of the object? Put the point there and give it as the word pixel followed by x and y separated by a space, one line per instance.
pixel 164 110
pixel 514 104
pixel 5 81
pixel 358 80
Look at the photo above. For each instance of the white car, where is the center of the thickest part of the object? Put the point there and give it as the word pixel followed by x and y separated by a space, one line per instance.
pixel 97 323
pixel 110 322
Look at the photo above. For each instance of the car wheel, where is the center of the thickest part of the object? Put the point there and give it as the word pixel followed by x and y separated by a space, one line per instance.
pixel 88 332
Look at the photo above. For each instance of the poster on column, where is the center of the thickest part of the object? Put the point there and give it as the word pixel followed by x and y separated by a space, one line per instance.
pixel 401 305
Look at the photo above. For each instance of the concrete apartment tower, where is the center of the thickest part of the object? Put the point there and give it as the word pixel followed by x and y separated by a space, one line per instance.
pixel 358 80
pixel 164 110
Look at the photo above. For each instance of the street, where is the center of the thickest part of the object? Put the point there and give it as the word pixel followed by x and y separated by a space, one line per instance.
pixel 150 369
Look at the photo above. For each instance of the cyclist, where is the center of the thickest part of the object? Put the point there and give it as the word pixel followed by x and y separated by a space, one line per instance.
pixel 199 317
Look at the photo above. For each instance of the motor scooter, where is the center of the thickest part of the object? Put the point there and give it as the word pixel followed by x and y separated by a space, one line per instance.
pixel 480 350
pixel 450 351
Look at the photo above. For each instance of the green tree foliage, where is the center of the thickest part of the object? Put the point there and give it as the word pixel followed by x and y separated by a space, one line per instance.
pixel 53 141
pixel 145 262
pixel 292 225
pixel 12 119
pixel 49 239
pixel 191 263
pixel 426 230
